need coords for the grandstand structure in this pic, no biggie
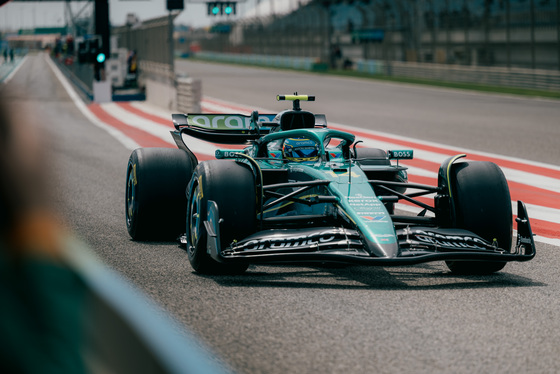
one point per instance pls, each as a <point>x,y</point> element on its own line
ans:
<point>500,33</point>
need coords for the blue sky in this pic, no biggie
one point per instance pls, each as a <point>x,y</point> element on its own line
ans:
<point>15,15</point>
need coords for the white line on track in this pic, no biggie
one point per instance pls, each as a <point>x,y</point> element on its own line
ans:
<point>13,72</point>
<point>513,175</point>
<point>141,123</point>
<point>144,106</point>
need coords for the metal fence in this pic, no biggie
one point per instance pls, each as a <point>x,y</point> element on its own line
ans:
<point>152,42</point>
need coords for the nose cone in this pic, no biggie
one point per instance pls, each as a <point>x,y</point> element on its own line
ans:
<point>386,250</point>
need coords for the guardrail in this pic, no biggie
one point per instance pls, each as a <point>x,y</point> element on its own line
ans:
<point>299,63</point>
<point>548,80</point>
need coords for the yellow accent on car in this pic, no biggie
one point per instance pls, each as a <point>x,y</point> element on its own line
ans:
<point>292,97</point>
<point>449,170</point>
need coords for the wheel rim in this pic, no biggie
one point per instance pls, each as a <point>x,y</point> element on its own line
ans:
<point>130,198</point>
<point>194,218</point>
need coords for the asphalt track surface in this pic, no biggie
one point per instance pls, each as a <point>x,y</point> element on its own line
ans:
<point>284,319</point>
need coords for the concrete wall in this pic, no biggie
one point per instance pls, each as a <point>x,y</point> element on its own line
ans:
<point>159,82</point>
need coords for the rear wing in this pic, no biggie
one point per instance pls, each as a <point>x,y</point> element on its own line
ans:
<point>230,128</point>
<point>224,128</point>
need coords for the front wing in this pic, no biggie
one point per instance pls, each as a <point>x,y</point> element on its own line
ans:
<point>336,244</point>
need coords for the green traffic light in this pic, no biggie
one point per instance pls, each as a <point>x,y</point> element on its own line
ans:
<point>228,9</point>
<point>100,57</point>
<point>215,10</point>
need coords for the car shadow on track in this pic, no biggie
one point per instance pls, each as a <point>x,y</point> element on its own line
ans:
<point>427,276</point>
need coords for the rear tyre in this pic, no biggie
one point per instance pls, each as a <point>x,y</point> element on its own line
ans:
<point>155,198</point>
<point>482,205</point>
<point>232,187</point>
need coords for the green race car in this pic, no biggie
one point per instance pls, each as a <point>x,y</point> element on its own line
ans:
<point>301,192</point>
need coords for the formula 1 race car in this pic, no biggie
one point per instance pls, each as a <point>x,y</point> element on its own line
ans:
<point>301,192</point>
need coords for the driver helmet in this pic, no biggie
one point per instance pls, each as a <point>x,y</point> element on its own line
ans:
<point>300,150</point>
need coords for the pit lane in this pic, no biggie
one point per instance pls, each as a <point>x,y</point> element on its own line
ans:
<point>281,319</point>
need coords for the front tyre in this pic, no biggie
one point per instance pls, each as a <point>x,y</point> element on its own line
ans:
<point>156,182</point>
<point>232,187</point>
<point>482,205</point>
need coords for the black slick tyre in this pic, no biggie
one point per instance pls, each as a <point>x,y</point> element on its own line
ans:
<point>232,186</point>
<point>482,205</point>
<point>156,183</point>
